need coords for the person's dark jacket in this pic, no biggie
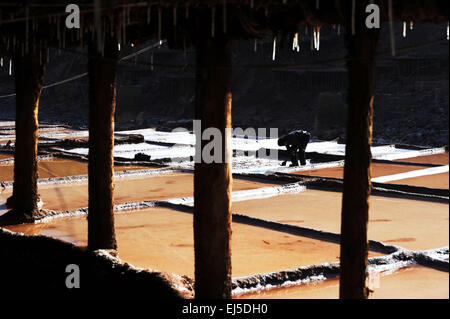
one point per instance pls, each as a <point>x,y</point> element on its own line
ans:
<point>295,140</point>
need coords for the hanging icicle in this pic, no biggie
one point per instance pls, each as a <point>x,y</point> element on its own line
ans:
<point>391,26</point>
<point>1,62</point>
<point>404,29</point>
<point>119,34</point>
<point>318,38</point>
<point>213,20</point>
<point>295,43</point>
<point>10,66</point>
<point>255,45</point>
<point>411,25</point>
<point>274,50</point>
<point>447,31</point>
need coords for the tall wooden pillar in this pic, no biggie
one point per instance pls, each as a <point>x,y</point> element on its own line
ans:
<point>29,78</point>
<point>357,170</point>
<point>212,182</point>
<point>102,103</point>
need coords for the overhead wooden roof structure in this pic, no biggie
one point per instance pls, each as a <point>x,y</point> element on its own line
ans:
<point>132,21</point>
<point>29,27</point>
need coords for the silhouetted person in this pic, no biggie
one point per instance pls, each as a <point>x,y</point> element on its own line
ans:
<point>8,145</point>
<point>295,143</point>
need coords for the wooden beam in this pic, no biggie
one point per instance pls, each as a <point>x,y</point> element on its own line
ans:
<point>102,103</point>
<point>29,78</point>
<point>357,171</point>
<point>242,21</point>
<point>212,182</point>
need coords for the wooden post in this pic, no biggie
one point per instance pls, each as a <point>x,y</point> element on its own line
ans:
<point>357,186</point>
<point>102,103</point>
<point>29,77</point>
<point>212,182</point>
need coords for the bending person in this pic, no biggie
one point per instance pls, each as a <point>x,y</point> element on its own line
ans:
<point>295,142</point>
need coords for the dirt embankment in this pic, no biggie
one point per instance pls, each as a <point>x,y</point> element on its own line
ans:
<point>36,266</point>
